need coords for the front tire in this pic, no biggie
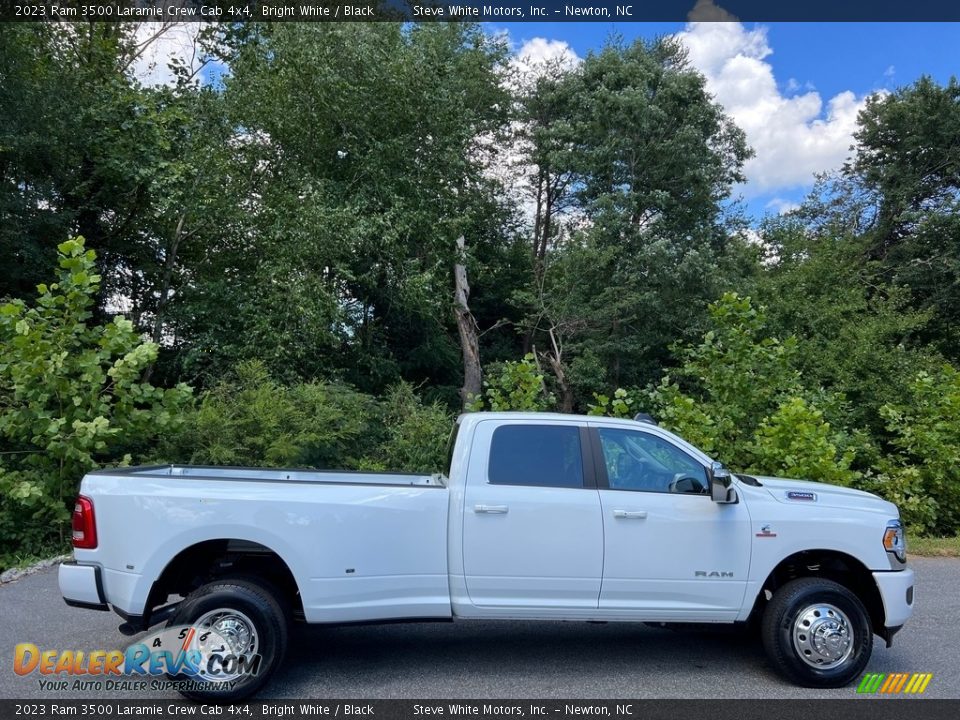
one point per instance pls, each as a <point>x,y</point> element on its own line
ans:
<point>245,618</point>
<point>817,633</point>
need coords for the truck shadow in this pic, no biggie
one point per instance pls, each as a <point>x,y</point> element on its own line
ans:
<point>513,659</point>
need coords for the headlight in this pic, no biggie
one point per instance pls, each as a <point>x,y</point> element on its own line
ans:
<point>894,540</point>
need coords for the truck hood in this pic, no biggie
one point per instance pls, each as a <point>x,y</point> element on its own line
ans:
<point>815,494</point>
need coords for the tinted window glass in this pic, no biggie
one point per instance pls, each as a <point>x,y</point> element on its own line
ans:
<point>640,461</point>
<point>542,455</point>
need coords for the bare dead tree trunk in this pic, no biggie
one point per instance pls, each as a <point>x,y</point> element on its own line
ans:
<point>546,230</point>
<point>555,358</point>
<point>467,327</point>
<point>535,260</point>
<point>169,264</point>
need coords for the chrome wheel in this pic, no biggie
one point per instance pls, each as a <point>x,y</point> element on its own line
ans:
<point>823,636</point>
<point>226,633</point>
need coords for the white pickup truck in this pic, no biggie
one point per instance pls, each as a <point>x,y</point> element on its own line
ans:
<point>539,516</point>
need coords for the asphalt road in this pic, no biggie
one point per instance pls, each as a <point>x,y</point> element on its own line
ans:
<point>498,660</point>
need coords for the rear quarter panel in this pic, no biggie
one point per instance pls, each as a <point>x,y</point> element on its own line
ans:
<point>357,552</point>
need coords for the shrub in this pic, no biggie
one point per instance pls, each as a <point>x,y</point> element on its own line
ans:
<point>738,395</point>
<point>514,386</point>
<point>924,472</point>
<point>623,404</point>
<point>251,419</point>
<point>416,434</point>
<point>72,399</point>
<point>795,441</point>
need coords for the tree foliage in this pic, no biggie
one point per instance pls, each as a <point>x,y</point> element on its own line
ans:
<point>367,170</point>
<point>859,334</point>
<point>284,241</point>
<point>923,475</point>
<point>514,385</point>
<point>72,398</point>
<point>740,396</point>
<point>645,160</point>
<point>251,419</point>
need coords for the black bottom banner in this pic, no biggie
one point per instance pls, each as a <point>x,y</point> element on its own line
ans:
<point>853,709</point>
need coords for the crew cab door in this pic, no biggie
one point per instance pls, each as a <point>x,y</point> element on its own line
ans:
<point>669,550</point>
<point>532,528</point>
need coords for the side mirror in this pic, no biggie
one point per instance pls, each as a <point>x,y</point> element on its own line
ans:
<point>720,480</point>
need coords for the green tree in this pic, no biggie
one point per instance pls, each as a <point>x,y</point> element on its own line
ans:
<point>907,161</point>
<point>72,397</point>
<point>647,160</point>
<point>514,386</point>
<point>739,395</point>
<point>147,174</point>
<point>923,475</point>
<point>369,168</point>
<point>859,335</point>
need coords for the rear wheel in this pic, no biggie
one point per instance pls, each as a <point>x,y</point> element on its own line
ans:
<point>817,633</point>
<point>239,630</point>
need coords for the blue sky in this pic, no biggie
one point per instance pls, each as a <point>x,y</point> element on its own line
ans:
<point>806,81</point>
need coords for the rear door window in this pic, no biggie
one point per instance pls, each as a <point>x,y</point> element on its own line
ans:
<point>538,455</point>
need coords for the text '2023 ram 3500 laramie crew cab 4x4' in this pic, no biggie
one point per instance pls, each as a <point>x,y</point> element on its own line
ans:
<point>539,516</point>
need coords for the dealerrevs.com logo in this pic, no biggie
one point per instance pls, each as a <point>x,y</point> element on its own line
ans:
<point>195,656</point>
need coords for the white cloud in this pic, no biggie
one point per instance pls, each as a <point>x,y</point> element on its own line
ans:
<point>538,52</point>
<point>781,206</point>
<point>160,43</point>
<point>538,57</point>
<point>794,137</point>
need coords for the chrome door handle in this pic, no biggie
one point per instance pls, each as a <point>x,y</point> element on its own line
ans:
<point>491,509</point>
<point>630,514</point>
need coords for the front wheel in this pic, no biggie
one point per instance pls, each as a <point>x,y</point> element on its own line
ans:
<point>817,633</point>
<point>237,631</point>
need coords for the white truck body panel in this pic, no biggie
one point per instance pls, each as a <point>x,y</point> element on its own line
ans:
<point>371,546</point>
<point>529,556</point>
<point>391,534</point>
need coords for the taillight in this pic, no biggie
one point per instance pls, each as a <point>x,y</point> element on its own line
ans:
<point>84,524</point>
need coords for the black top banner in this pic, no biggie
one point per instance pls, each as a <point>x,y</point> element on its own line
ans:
<point>605,11</point>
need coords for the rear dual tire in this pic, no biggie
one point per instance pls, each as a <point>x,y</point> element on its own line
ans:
<point>252,619</point>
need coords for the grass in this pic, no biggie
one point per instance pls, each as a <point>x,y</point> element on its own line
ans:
<point>24,559</point>
<point>934,547</point>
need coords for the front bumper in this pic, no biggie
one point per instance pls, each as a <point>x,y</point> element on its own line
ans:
<point>896,591</point>
<point>82,586</point>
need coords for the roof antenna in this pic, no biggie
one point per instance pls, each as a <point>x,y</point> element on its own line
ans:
<point>645,418</point>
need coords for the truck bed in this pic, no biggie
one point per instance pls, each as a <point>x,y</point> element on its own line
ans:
<point>255,474</point>
<point>360,545</point>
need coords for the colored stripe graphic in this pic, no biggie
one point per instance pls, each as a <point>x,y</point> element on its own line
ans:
<point>891,680</point>
<point>894,683</point>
